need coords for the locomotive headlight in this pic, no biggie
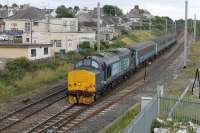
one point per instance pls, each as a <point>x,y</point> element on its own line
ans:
<point>79,84</point>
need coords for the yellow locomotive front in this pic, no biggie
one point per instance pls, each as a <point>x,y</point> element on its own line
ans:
<point>81,86</point>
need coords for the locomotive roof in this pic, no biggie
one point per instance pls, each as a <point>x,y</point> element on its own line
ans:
<point>143,45</point>
<point>111,56</point>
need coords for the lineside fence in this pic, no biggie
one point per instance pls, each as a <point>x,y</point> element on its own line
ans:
<point>188,110</point>
<point>142,122</point>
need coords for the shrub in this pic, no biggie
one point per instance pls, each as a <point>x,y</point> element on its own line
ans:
<point>84,45</point>
<point>117,44</point>
<point>155,124</point>
<point>73,57</point>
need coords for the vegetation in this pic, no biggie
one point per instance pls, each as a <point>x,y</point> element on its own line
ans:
<point>159,25</point>
<point>63,12</point>
<point>14,5</point>
<point>22,76</point>
<point>178,85</point>
<point>123,122</point>
<point>112,10</point>
<point>173,127</point>
<point>131,38</point>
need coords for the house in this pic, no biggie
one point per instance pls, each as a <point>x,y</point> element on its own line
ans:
<point>34,26</point>
<point>136,14</point>
<point>88,23</point>
<point>32,52</point>
<point>62,42</point>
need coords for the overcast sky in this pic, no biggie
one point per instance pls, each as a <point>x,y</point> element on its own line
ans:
<point>171,8</point>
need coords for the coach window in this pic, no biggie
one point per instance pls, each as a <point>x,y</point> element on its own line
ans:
<point>33,52</point>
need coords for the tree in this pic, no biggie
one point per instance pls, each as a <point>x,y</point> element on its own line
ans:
<point>112,10</point>
<point>159,24</point>
<point>5,6</point>
<point>21,6</point>
<point>14,5</point>
<point>76,9</point>
<point>1,6</point>
<point>63,12</point>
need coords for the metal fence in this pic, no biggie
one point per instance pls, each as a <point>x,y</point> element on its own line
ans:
<point>142,122</point>
<point>186,110</point>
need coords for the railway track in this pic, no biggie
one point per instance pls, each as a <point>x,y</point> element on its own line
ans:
<point>74,115</point>
<point>21,114</point>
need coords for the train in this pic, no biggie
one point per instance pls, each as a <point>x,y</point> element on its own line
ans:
<point>97,73</point>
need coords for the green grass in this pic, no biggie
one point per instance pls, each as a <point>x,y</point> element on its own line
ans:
<point>133,37</point>
<point>123,122</point>
<point>178,85</point>
<point>31,81</point>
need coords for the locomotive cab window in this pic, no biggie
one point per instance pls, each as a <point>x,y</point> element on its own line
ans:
<point>109,72</point>
<point>95,64</point>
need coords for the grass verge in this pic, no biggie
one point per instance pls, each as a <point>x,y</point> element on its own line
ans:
<point>178,85</point>
<point>31,80</point>
<point>122,122</point>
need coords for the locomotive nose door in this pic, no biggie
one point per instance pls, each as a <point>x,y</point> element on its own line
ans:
<point>81,86</point>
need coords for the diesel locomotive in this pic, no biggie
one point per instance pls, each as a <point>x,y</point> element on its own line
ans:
<point>99,72</point>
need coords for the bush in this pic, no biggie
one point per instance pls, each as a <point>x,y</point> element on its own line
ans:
<point>117,44</point>
<point>155,124</point>
<point>73,57</point>
<point>84,45</point>
<point>124,32</point>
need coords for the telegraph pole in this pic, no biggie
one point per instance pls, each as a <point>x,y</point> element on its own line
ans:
<point>166,24</point>
<point>150,24</point>
<point>185,34</point>
<point>175,26</point>
<point>195,27</point>
<point>98,27</point>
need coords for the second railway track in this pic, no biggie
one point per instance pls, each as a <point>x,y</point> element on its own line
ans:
<point>21,114</point>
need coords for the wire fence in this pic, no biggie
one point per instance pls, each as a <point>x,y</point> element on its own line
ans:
<point>187,110</point>
<point>142,122</point>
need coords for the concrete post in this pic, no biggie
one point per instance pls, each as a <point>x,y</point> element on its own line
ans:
<point>185,34</point>
<point>98,28</point>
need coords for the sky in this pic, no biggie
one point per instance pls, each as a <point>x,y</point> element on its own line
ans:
<point>172,8</point>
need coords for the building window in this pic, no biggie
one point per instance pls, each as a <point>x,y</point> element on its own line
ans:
<point>27,27</point>
<point>46,51</point>
<point>70,44</point>
<point>35,23</point>
<point>56,43</point>
<point>27,39</point>
<point>33,52</point>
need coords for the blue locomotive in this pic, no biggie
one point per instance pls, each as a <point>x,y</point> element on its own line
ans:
<point>99,72</point>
